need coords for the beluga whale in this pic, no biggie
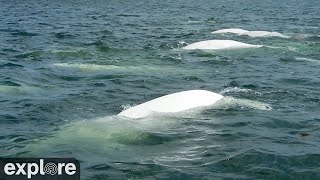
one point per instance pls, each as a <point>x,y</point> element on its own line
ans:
<point>250,33</point>
<point>173,103</point>
<point>219,45</point>
<point>141,124</point>
<point>184,101</point>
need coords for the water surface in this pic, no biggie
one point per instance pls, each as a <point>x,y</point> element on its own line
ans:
<point>67,68</point>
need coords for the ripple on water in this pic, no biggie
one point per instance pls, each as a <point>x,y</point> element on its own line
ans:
<point>65,35</point>
<point>10,64</point>
<point>22,33</point>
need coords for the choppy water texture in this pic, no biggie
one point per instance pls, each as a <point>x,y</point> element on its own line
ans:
<point>68,67</point>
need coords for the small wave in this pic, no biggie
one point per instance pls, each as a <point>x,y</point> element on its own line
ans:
<point>32,55</point>
<point>102,46</point>
<point>307,59</point>
<point>198,21</point>
<point>63,35</point>
<point>11,83</point>
<point>9,64</point>
<point>61,53</point>
<point>243,103</point>
<point>128,15</point>
<point>9,50</point>
<point>106,32</point>
<point>22,33</point>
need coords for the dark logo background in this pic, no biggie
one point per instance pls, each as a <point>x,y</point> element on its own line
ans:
<point>50,166</point>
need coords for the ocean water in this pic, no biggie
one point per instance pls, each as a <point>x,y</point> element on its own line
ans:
<point>68,67</point>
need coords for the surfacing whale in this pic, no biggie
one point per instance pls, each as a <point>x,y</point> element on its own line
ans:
<point>111,133</point>
<point>173,103</point>
<point>219,44</point>
<point>250,33</point>
<point>187,100</point>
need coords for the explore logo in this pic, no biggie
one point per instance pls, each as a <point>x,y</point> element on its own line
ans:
<point>39,168</point>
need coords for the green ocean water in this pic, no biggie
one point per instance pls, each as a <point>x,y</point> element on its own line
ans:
<point>68,67</point>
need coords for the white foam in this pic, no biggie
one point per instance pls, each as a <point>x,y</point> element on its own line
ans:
<point>173,103</point>
<point>235,89</point>
<point>307,59</point>
<point>219,44</point>
<point>230,101</point>
<point>250,33</point>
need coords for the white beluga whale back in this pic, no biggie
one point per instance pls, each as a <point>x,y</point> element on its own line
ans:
<point>219,44</point>
<point>173,103</point>
<point>187,100</point>
<point>231,30</point>
<point>250,33</point>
